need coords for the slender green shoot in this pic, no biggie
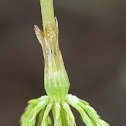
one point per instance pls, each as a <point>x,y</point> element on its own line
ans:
<point>47,11</point>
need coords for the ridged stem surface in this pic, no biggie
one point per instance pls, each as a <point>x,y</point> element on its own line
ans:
<point>47,11</point>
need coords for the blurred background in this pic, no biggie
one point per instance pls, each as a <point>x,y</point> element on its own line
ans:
<point>93,43</point>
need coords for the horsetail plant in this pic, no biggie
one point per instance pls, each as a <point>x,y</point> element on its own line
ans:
<point>56,83</point>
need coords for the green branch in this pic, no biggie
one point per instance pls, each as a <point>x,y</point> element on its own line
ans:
<point>47,11</point>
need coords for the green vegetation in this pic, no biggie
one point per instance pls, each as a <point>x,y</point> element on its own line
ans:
<point>56,83</point>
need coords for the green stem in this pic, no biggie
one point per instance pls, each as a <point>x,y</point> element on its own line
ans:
<point>47,11</point>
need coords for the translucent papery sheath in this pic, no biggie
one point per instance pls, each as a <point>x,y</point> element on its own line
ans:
<point>56,81</point>
<point>56,84</point>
